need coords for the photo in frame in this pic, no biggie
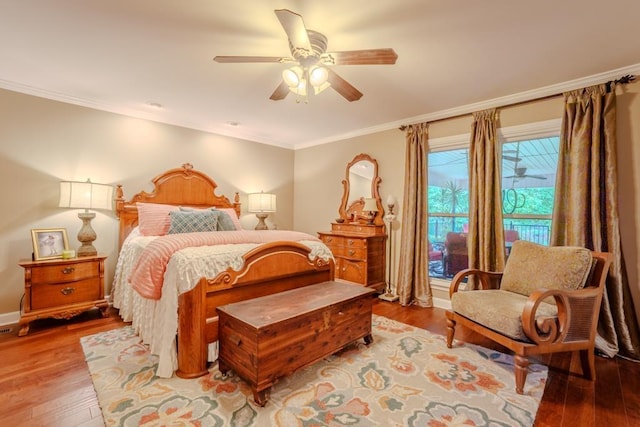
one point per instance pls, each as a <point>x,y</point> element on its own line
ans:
<point>49,243</point>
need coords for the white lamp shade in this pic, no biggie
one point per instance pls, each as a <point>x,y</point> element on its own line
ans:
<point>262,202</point>
<point>87,195</point>
<point>292,76</point>
<point>318,76</point>
<point>370,205</point>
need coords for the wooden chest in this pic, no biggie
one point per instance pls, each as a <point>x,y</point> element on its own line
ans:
<point>266,338</point>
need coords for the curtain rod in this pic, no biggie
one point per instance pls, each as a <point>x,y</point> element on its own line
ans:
<point>622,80</point>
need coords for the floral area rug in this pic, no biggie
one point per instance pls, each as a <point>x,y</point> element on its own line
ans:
<point>406,377</point>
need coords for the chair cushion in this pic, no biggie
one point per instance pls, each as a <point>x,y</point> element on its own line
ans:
<point>531,266</point>
<point>498,310</point>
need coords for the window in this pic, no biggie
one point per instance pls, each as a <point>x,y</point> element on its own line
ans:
<point>530,157</point>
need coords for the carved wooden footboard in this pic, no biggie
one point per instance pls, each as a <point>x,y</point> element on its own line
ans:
<point>268,269</point>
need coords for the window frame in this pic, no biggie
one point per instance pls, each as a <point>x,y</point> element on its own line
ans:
<point>533,130</point>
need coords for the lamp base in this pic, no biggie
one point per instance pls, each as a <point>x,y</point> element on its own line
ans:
<point>261,224</point>
<point>86,235</point>
<point>388,297</point>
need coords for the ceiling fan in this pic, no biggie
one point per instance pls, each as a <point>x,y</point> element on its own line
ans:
<point>521,172</point>
<point>311,61</point>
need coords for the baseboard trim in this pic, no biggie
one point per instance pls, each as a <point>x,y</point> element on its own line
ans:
<point>442,303</point>
<point>9,318</point>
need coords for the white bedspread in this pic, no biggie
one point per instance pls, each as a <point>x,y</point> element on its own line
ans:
<point>156,321</point>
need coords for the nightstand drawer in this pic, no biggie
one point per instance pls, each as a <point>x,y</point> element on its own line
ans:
<point>45,295</point>
<point>64,273</point>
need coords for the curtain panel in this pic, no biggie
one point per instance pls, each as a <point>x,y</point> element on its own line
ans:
<point>413,270</point>
<point>486,231</point>
<point>585,209</point>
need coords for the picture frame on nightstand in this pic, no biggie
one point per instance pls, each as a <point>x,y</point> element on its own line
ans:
<point>49,243</point>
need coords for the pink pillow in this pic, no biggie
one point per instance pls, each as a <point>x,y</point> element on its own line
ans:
<point>234,216</point>
<point>154,218</point>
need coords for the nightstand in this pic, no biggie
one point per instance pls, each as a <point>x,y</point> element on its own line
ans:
<point>61,288</point>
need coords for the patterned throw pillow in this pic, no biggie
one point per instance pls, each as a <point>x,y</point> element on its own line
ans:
<point>192,222</point>
<point>227,217</point>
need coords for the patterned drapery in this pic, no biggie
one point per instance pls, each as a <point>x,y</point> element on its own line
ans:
<point>413,270</point>
<point>485,241</point>
<point>586,207</point>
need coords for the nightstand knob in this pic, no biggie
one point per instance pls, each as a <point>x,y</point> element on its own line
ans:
<point>68,270</point>
<point>351,252</point>
<point>67,291</point>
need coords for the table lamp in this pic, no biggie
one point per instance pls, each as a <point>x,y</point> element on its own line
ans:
<point>86,195</point>
<point>261,204</point>
<point>370,206</point>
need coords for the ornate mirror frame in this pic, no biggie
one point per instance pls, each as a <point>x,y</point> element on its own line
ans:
<point>352,211</point>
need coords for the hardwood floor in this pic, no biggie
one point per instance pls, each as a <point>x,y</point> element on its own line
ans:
<point>44,380</point>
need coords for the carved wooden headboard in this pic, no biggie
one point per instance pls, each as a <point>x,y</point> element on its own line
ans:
<point>182,186</point>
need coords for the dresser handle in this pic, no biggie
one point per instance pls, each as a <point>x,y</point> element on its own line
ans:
<point>351,252</point>
<point>350,242</point>
<point>68,270</point>
<point>67,291</point>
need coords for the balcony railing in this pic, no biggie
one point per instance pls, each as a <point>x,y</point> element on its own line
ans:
<point>534,228</point>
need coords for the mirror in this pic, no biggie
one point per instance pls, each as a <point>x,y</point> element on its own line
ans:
<point>361,182</point>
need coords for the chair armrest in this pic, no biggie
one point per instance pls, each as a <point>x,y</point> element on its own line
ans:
<point>573,306</point>
<point>488,279</point>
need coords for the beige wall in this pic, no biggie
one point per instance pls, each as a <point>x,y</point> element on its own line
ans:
<point>43,142</point>
<point>319,170</point>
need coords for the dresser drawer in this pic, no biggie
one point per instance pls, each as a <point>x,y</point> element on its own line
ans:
<point>349,242</point>
<point>64,273</point>
<point>46,295</point>
<point>350,252</point>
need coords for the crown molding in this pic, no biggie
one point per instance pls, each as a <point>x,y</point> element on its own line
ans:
<point>505,101</point>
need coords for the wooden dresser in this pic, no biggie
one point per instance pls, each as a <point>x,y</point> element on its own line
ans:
<point>360,252</point>
<point>61,288</point>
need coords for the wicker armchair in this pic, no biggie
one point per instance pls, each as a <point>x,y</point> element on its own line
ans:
<point>547,300</point>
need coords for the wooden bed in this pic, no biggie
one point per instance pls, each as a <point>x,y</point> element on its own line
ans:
<point>269,268</point>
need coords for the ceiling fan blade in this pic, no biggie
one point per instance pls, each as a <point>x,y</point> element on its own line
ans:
<point>536,176</point>
<point>281,92</point>
<point>296,31</point>
<point>511,158</point>
<point>360,57</point>
<point>343,87</point>
<point>243,59</point>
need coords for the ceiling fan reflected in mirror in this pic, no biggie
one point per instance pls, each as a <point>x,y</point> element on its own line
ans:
<point>521,172</point>
<point>310,72</point>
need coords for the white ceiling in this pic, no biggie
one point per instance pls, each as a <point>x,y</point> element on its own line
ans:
<point>453,56</point>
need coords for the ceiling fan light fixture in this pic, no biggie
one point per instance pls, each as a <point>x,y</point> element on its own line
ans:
<point>318,76</point>
<point>293,76</point>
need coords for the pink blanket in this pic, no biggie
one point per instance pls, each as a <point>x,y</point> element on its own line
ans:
<point>148,272</point>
